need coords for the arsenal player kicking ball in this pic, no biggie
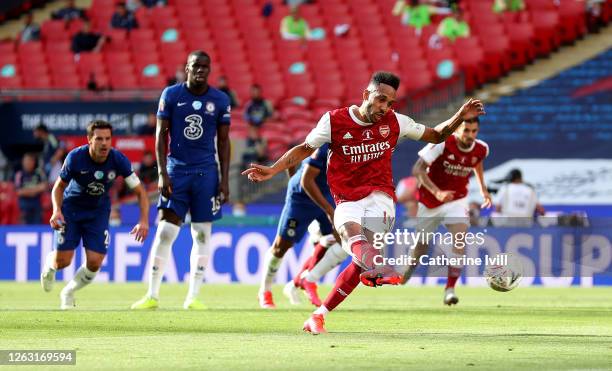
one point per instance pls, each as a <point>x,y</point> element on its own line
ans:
<point>361,141</point>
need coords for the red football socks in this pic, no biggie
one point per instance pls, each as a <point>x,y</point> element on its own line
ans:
<point>345,284</point>
<point>317,255</point>
<point>453,275</point>
<point>298,277</point>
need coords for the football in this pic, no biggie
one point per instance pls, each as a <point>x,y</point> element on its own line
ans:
<point>504,277</point>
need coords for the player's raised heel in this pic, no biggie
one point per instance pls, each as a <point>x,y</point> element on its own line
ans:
<point>379,276</point>
<point>315,324</point>
<point>145,303</point>
<point>292,293</point>
<point>265,300</point>
<point>310,288</point>
<point>450,298</point>
<point>67,301</point>
<point>47,279</point>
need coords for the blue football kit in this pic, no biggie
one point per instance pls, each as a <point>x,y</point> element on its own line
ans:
<point>192,165</point>
<point>300,210</point>
<point>86,206</point>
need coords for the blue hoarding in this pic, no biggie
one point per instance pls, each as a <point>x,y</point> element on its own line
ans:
<point>550,256</point>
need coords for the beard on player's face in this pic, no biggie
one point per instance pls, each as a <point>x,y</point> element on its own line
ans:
<point>374,113</point>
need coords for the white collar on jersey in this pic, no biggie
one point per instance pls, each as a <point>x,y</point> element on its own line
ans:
<point>464,149</point>
<point>354,117</point>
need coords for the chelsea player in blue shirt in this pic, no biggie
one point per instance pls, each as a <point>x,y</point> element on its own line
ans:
<point>195,116</point>
<point>81,208</point>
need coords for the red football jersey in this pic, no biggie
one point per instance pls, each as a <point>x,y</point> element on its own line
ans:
<point>450,167</point>
<point>359,157</point>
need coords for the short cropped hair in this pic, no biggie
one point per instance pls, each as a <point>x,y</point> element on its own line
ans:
<point>384,77</point>
<point>198,53</point>
<point>98,124</point>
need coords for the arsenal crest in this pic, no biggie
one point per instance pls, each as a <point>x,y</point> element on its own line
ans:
<point>384,131</point>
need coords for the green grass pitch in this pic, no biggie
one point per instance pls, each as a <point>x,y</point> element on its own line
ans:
<point>383,328</point>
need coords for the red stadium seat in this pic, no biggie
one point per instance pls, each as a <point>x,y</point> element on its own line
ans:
<point>547,37</point>
<point>572,17</point>
<point>13,82</point>
<point>545,5</point>
<point>141,34</point>
<point>58,47</point>
<point>9,207</point>
<point>417,82</point>
<point>54,30</point>
<point>6,59</point>
<point>153,82</point>
<point>74,26</point>
<point>123,79</point>
<point>522,50</point>
<point>37,81</point>
<point>117,59</point>
<point>30,47</point>
<point>470,58</point>
<point>63,81</point>
<point>7,47</point>
<point>186,4</point>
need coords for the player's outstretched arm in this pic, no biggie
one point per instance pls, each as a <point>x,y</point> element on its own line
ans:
<point>141,229</point>
<point>471,108</point>
<point>419,170</point>
<point>223,145</point>
<point>57,199</point>
<point>479,172</point>
<point>260,173</point>
<point>161,147</point>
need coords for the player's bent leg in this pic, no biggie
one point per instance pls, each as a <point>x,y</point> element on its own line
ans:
<point>200,252</point>
<point>65,242</point>
<point>160,251</point>
<point>364,254</point>
<point>272,260</point>
<point>83,277</point>
<point>345,284</point>
<point>63,258</point>
<point>332,258</point>
<point>54,261</point>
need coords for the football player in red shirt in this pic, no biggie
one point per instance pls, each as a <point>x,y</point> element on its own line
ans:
<point>362,139</point>
<point>443,172</point>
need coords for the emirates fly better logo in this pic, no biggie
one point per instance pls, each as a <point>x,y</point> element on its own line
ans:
<point>365,152</point>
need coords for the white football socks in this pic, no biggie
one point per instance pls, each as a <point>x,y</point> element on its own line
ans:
<point>271,264</point>
<point>50,262</point>
<point>82,278</point>
<point>160,251</point>
<point>333,256</point>
<point>322,310</point>
<point>200,233</point>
